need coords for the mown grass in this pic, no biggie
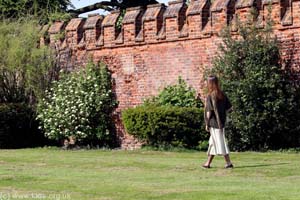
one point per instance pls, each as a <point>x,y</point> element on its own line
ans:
<point>120,175</point>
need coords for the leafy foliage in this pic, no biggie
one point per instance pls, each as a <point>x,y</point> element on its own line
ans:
<point>80,105</point>
<point>59,16</point>
<point>179,94</point>
<point>266,109</point>
<point>120,20</point>
<point>26,69</point>
<point>166,125</point>
<point>39,8</point>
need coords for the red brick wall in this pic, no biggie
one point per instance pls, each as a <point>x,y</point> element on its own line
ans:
<point>158,44</point>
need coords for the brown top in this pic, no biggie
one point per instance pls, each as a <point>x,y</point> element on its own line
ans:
<point>222,106</point>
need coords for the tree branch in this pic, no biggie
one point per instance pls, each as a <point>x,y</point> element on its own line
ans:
<point>112,5</point>
<point>105,5</point>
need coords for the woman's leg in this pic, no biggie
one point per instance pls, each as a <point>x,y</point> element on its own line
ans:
<point>211,150</point>
<point>209,160</point>
<point>228,161</point>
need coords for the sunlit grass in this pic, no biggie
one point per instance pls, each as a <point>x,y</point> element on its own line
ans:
<point>96,174</point>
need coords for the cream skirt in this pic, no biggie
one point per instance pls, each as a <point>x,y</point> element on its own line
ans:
<point>217,142</point>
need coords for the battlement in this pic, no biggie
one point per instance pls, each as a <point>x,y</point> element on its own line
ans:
<point>177,21</point>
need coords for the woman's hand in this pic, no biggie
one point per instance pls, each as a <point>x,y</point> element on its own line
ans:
<point>207,128</point>
<point>230,110</point>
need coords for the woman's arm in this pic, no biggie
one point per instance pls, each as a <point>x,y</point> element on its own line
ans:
<point>208,112</point>
<point>228,105</point>
<point>208,116</point>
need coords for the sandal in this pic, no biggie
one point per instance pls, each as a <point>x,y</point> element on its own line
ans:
<point>228,166</point>
<point>205,166</point>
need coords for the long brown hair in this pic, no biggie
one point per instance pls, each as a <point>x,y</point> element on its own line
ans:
<point>214,88</point>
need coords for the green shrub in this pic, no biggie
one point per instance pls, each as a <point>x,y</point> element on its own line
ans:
<point>174,118</point>
<point>166,125</point>
<point>266,108</point>
<point>80,105</point>
<point>25,68</point>
<point>179,94</point>
<point>18,129</point>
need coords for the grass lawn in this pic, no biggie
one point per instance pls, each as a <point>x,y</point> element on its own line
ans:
<point>112,175</point>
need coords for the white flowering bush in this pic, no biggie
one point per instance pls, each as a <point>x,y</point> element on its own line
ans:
<point>80,105</point>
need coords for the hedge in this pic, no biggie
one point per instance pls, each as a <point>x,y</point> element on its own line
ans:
<point>18,128</point>
<point>166,125</point>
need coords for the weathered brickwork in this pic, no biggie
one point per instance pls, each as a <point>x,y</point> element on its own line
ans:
<point>156,45</point>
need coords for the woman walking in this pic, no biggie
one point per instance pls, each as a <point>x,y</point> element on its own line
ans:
<point>216,106</point>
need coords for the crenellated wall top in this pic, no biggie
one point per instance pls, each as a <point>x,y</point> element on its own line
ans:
<point>111,19</point>
<point>153,11</point>
<point>219,5</point>
<point>93,21</point>
<point>75,24</point>
<point>131,15</point>
<point>56,27</point>
<point>174,8</point>
<point>196,7</point>
<point>190,20</point>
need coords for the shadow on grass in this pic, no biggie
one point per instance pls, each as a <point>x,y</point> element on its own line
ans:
<point>260,165</point>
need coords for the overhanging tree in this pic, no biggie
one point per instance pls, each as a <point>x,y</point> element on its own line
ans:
<point>112,5</point>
